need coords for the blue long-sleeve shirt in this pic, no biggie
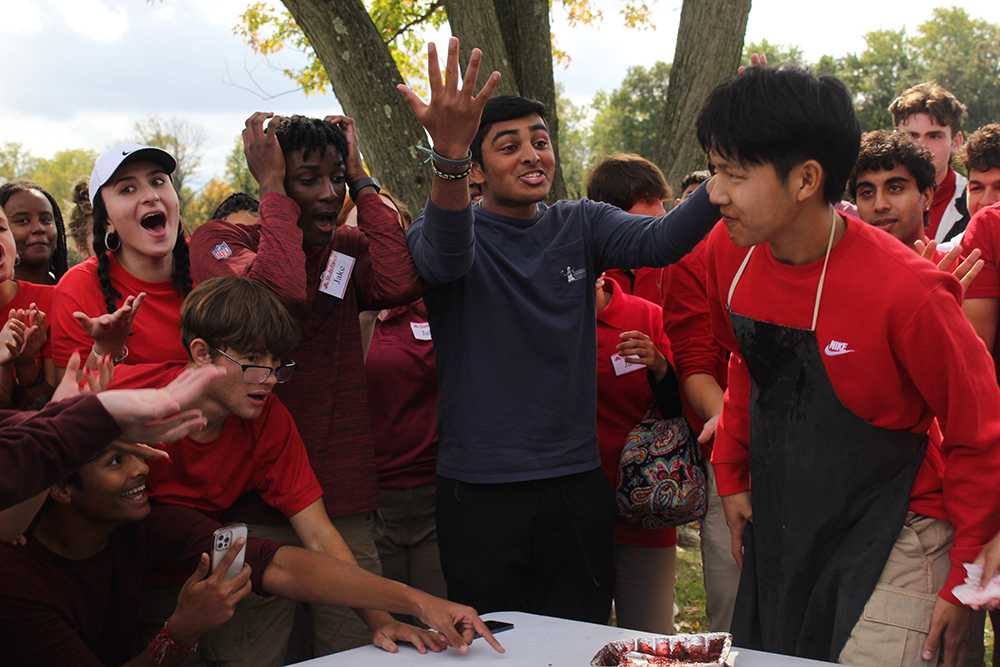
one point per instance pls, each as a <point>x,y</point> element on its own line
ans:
<point>511,308</point>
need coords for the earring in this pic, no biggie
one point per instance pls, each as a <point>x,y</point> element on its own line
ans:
<point>17,260</point>
<point>111,241</point>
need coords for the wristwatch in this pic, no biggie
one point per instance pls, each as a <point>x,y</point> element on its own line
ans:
<point>356,187</point>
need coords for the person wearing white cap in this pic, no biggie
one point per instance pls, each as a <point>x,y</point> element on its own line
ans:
<point>140,257</point>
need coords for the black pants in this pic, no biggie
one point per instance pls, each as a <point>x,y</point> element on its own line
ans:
<point>543,547</point>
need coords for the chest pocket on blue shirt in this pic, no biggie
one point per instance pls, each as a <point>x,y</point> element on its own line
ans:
<point>565,267</point>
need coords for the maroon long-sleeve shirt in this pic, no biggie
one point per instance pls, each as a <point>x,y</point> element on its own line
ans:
<point>327,397</point>
<point>41,448</point>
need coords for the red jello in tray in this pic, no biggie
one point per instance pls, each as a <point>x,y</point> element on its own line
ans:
<point>698,650</point>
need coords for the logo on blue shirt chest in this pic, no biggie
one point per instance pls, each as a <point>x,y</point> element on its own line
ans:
<point>572,275</point>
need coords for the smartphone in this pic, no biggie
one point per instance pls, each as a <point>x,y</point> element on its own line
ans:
<point>222,539</point>
<point>496,626</point>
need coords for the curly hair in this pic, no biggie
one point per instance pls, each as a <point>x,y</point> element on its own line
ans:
<point>982,150</point>
<point>930,98</point>
<point>882,150</point>
<point>58,262</point>
<point>308,134</point>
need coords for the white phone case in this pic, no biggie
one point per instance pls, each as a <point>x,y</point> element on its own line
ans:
<point>222,539</point>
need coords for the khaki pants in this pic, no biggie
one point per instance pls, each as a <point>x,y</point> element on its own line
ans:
<point>644,588</point>
<point>406,537</point>
<point>897,616</point>
<point>721,574</point>
<point>257,634</point>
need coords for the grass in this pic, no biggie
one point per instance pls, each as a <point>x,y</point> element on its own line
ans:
<point>690,598</point>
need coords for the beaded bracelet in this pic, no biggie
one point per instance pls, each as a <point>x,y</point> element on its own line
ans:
<point>443,175</point>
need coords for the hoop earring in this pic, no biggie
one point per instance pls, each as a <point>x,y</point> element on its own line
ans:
<point>110,236</point>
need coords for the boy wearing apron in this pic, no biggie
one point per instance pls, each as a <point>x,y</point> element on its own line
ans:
<point>845,346</point>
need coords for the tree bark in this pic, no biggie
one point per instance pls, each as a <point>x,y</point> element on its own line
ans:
<point>364,79</point>
<point>478,27</point>
<point>524,27</point>
<point>709,46</point>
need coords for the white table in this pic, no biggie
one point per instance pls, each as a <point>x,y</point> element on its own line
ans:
<point>535,641</point>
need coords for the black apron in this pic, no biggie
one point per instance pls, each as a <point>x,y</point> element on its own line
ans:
<point>830,495</point>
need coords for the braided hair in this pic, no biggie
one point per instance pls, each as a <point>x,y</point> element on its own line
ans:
<point>59,260</point>
<point>309,134</point>
<point>181,276</point>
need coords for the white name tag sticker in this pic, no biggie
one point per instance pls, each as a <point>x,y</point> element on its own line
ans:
<point>421,330</point>
<point>336,275</point>
<point>622,366</point>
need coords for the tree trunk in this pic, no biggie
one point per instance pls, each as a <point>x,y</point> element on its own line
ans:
<point>476,27</point>
<point>709,46</point>
<point>364,79</point>
<point>524,26</point>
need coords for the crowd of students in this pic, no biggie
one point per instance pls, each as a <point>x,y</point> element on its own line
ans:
<point>423,420</point>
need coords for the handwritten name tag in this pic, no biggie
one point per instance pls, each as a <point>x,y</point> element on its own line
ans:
<point>421,330</point>
<point>623,366</point>
<point>336,275</point>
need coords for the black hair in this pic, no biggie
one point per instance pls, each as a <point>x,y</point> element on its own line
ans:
<point>58,262</point>
<point>695,178</point>
<point>238,201</point>
<point>884,150</point>
<point>181,276</point>
<point>309,134</point>
<point>784,117</point>
<point>497,110</point>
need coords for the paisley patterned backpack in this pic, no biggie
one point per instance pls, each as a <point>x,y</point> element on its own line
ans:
<point>661,474</point>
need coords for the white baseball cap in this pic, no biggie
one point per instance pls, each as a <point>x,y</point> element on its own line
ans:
<point>110,160</point>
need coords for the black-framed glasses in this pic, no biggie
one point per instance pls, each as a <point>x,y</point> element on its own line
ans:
<point>257,374</point>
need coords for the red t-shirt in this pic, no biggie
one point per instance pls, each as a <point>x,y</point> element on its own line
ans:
<point>156,330</point>
<point>622,400</point>
<point>913,357</point>
<point>943,195</point>
<point>983,232</point>
<point>403,398</point>
<point>646,282</point>
<point>265,456</point>
<point>687,322</point>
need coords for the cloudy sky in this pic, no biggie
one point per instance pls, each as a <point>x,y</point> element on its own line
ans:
<point>79,73</point>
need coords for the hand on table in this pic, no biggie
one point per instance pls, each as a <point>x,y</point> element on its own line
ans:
<point>457,623</point>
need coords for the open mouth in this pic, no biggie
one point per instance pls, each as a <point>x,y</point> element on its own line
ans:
<point>533,178</point>
<point>258,397</point>
<point>154,222</point>
<point>325,222</point>
<point>137,494</point>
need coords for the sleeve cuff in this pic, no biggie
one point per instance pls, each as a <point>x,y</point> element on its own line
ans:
<point>731,478</point>
<point>956,576</point>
